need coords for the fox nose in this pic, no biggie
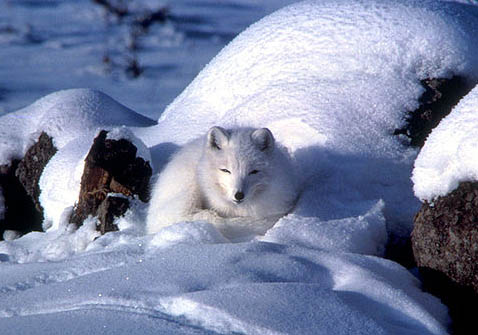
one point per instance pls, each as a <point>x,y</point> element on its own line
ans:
<point>239,196</point>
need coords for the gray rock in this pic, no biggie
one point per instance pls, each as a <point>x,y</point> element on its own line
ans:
<point>445,246</point>
<point>445,235</point>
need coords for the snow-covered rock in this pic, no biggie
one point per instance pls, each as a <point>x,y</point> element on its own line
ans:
<point>450,153</point>
<point>72,118</point>
<point>65,116</point>
<point>444,237</point>
<point>317,68</point>
<point>113,175</point>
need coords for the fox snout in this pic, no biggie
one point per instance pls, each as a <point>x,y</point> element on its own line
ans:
<point>238,189</point>
<point>238,196</point>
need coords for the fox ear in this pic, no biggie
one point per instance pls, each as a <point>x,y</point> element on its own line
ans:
<point>217,137</point>
<point>263,139</point>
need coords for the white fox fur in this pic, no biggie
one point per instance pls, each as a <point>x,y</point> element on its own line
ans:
<point>226,174</point>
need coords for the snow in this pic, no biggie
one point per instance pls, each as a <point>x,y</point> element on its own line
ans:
<point>303,76</point>
<point>199,288</point>
<point>362,234</point>
<point>39,57</point>
<point>59,191</point>
<point>72,118</point>
<point>65,116</point>
<point>332,80</point>
<point>312,68</point>
<point>449,154</point>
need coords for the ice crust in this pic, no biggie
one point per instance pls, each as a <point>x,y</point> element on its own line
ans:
<point>332,80</point>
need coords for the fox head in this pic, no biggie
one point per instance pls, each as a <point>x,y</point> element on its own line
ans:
<point>239,162</point>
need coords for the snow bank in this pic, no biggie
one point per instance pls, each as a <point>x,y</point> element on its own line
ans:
<point>333,80</point>
<point>450,153</point>
<point>330,65</point>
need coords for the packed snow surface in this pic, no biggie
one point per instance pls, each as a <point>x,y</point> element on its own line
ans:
<point>332,80</point>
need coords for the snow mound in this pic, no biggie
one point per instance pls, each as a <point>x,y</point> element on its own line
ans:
<point>329,66</point>
<point>64,115</point>
<point>333,80</point>
<point>450,153</point>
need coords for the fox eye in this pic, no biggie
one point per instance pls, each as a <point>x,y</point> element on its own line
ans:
<point>225,171</point>
<point>254,172</point>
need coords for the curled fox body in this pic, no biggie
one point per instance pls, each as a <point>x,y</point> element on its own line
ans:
<point>233,173</point>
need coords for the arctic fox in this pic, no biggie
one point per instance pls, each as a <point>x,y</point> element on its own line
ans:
<point>235,173</point>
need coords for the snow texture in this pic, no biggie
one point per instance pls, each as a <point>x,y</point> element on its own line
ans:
<point>304,68</point>
<point>363,234</point>
<point>201,286</point>
<point>64,115</point>
<point>450,153</point>
<point>332,80</point>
